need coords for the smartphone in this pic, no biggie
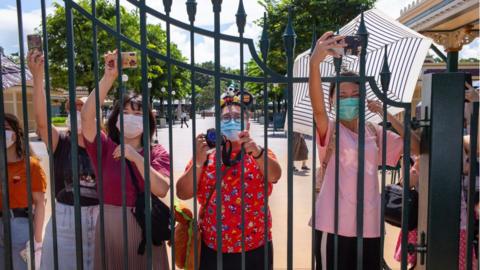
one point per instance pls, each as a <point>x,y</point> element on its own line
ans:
<point>353,46</point>
<point>129,60</point>
<point>34,41</point>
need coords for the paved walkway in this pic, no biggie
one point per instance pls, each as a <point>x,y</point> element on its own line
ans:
<point>302,193</point>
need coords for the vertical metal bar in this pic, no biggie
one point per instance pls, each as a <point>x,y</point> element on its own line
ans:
<point>362,32</point>
<point>98,115</point>
<point>241,17</point>
<point>264,46</point>
<point>406,186</point>
<point>49,140</point>
<point>146,134</point>
<point>338,65</point>
<point>217,8</point>
<point>74,134</point>
<point>26,137</point>
<point>7,231</point>
<point>314,165</point>
<point>121,90</point>
<point>385,81</point>
<point>452,61</point>
<point>266,123</point>
<point>289,37</point>
<point>314,190</point>
<point>471,185</point>
<point>192,10</point>
<point>382,189</point>
<point>170,126</point>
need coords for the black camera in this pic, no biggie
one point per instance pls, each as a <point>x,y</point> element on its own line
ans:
<point>211,138</point>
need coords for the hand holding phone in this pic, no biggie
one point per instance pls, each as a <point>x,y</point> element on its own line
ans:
<point>353,46</point>
<point>34,41</point>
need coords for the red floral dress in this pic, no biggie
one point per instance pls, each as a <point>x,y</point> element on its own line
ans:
<point>232,205</point>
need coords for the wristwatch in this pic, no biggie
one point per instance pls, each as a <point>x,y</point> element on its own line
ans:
<point>259,154</point>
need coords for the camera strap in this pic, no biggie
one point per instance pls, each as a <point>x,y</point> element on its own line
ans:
<point>227,153</point>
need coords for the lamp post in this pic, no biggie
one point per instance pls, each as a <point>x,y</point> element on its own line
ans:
<point>173,103</point>
<point>149,85</point>
<point>161,101</point>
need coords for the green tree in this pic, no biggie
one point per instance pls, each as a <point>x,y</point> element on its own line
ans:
<point>130,27</point>
<point>469,60</point>
<point>326,15</point>
<point>206,86</point>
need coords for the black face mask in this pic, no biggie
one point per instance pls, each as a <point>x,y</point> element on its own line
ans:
<point>227,153</point>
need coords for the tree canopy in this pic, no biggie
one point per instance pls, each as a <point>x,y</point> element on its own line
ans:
<point>325,15</point>
<point>83,40</point>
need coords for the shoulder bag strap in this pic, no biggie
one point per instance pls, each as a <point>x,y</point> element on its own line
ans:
<point>132,177</point>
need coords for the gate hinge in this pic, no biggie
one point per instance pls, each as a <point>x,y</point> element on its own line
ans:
<point>419,248</point>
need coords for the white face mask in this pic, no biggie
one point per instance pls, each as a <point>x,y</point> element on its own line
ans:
<point>79,122</point>
<point>132,125</point>
<point>9,138</point>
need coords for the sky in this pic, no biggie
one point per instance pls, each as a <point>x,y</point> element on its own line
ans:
<point>31,13</point>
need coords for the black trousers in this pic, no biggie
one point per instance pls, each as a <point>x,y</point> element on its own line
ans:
<point>254,259</point>
<point>347,252</point>
<point>184,120</point>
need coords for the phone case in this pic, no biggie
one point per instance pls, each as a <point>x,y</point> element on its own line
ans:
<point>129,60</point>
<point>353,46</point>
<point>34,42</point>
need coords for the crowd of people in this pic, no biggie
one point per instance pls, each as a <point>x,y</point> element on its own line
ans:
<point>239,150</point>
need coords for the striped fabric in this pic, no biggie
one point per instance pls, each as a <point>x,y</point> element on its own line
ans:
<point>406,52</point>
<point>114,243</point>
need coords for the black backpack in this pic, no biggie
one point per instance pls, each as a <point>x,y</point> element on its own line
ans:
<point>161,229</point>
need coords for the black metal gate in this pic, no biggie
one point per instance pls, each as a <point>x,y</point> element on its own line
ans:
<point>269,77</point>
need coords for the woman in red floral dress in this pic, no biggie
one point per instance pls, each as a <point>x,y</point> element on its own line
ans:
<point>254,184</point>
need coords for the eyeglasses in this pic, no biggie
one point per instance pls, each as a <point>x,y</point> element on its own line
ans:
<point>229,117</point>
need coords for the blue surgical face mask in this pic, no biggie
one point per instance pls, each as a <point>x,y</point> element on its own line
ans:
<point>231,129</point>
<point>348,108</point>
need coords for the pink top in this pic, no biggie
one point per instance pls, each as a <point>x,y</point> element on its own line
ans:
<point>347,199</point>
<point>111,173</point>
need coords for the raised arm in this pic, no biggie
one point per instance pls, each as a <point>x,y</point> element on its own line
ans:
<point>274,170</point>
<point>323,47</point>
<point>35,64</point>
<point>89,128</point>
<point>376,107</point>
<point>159,181</point>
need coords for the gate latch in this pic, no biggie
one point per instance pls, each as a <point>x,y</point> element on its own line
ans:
<point>418,123</point>
<point>419,248</point>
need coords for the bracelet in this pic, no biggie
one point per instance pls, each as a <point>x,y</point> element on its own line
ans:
<point>260,154</point>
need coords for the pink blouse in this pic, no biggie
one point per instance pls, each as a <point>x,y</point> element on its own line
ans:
<point>347,199</point>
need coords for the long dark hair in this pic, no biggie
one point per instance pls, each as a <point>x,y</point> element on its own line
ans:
<point>14,124</point>
<point>135,102</point>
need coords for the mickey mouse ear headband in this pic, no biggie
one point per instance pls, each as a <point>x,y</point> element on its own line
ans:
<point>233,96</point>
